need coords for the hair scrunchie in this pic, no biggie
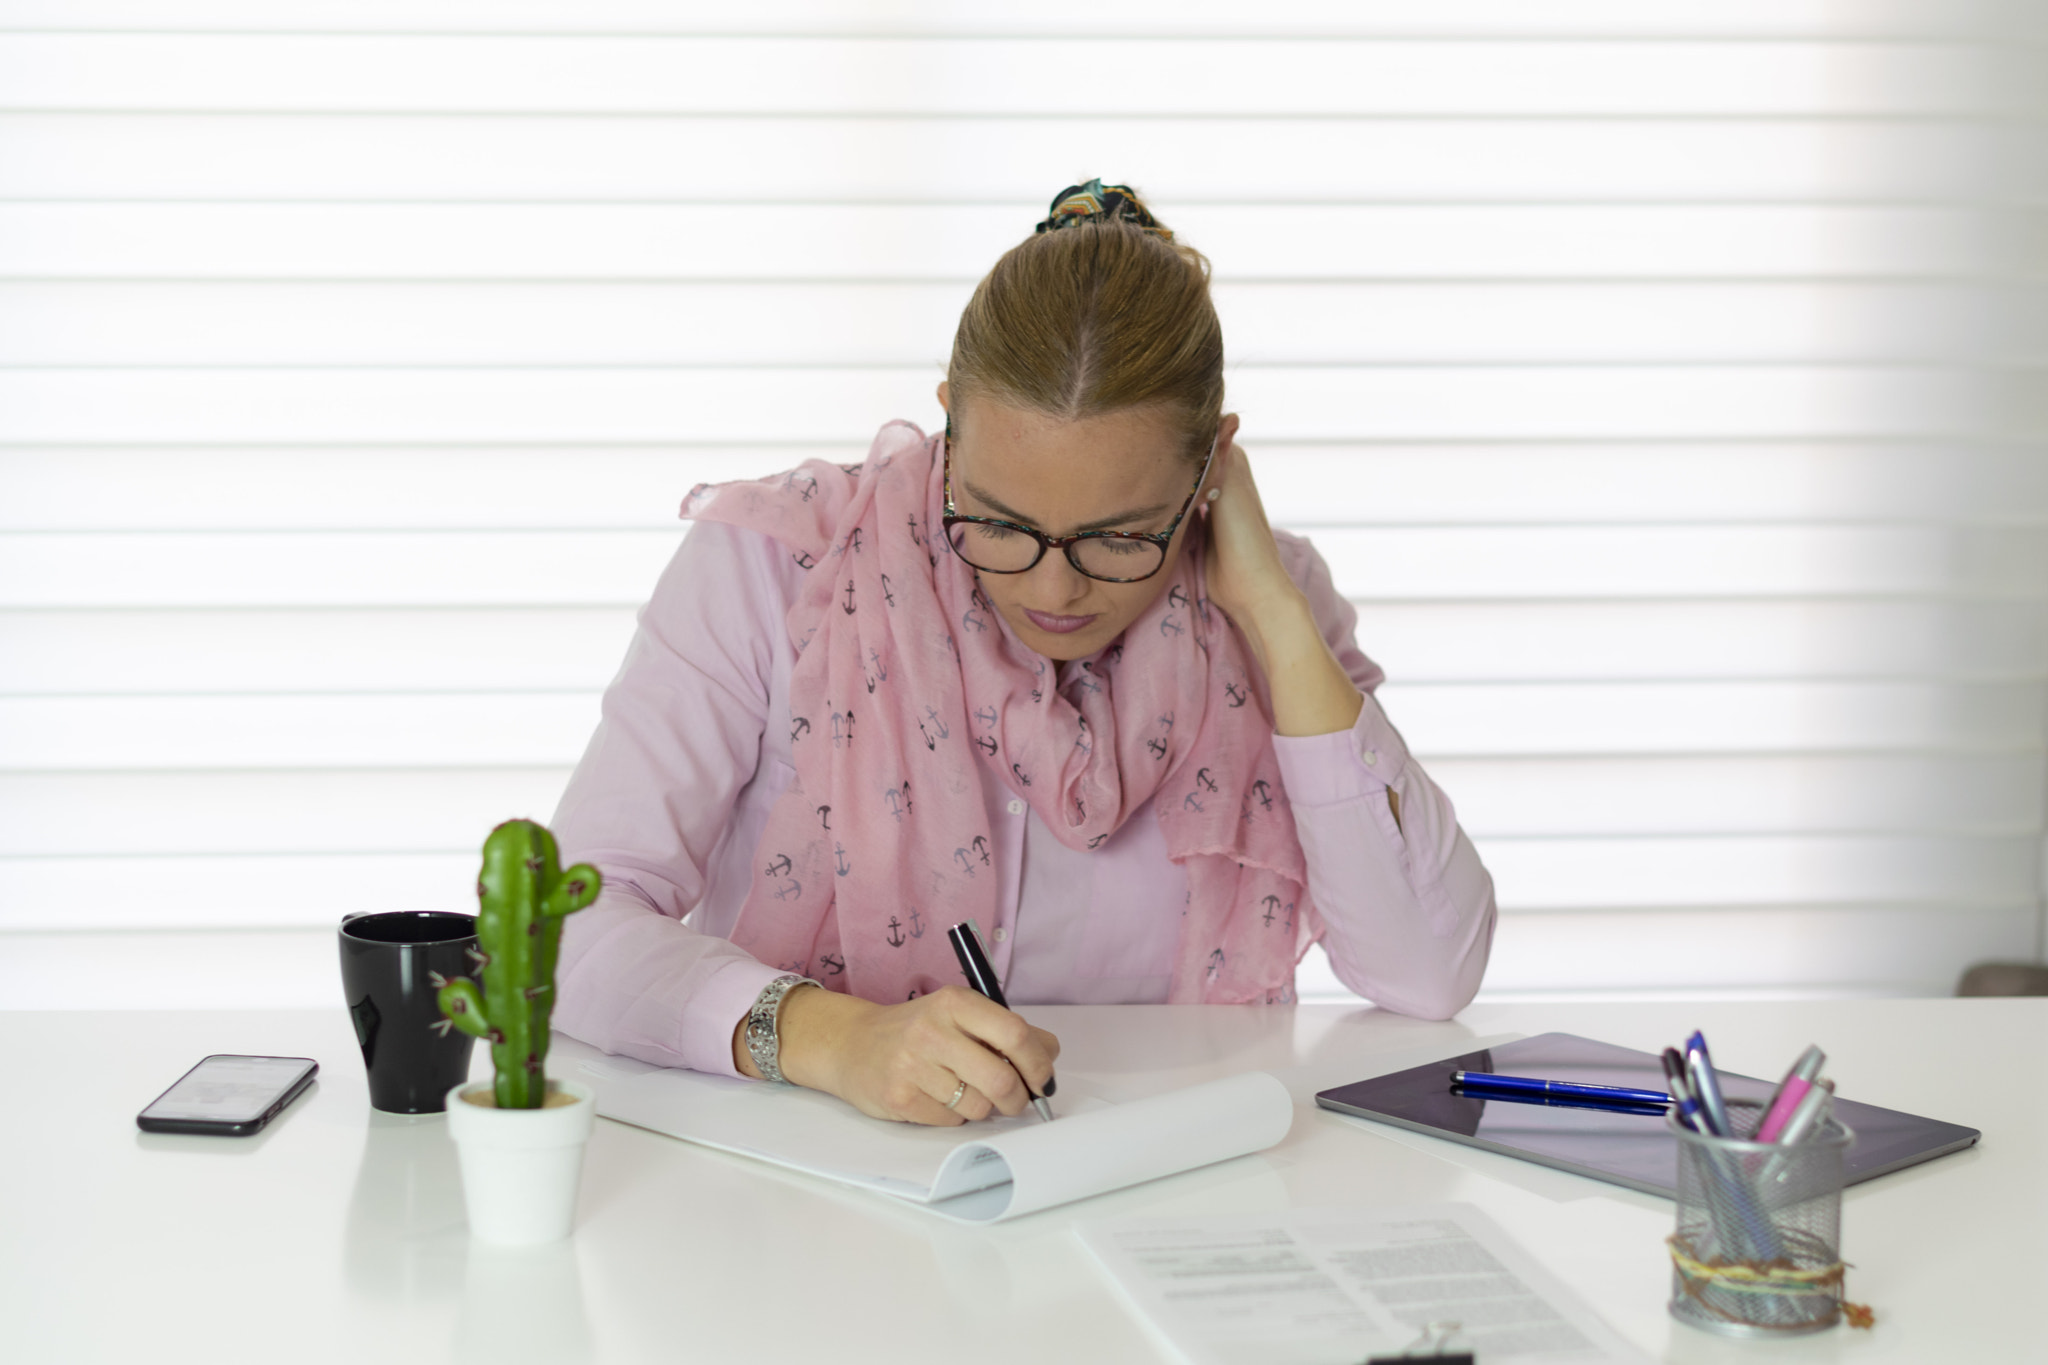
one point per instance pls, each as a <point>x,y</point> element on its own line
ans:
<point>1095,201</point>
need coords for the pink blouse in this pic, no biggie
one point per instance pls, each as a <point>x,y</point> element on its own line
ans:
<point>693,749</point>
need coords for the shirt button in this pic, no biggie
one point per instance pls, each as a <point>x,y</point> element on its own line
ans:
<point>1016,808</point>
<point>1001,934</point>
<point>1371,757</point>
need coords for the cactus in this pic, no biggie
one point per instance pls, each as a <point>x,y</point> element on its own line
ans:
<point>524,894</point>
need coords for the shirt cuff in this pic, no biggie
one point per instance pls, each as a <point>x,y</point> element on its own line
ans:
<point>1323,770</point>
<point>716,1009</point>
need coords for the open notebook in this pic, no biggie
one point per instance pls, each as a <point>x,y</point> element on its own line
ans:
<point>980,1173</point>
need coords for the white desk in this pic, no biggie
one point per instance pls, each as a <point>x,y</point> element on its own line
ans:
<point>338,1234</point>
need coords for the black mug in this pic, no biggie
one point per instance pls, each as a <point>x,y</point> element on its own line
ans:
<point>388,962</point>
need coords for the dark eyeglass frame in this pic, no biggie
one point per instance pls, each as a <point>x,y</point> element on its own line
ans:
<point>1065,544</point>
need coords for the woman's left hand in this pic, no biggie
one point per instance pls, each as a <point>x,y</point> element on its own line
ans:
<point>1310,691</point>
<point>1245,575</point>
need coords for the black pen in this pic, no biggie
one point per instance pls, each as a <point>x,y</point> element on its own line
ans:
<point>966,941</point>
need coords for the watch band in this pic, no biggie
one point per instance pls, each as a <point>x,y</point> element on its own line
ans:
<point>764,1041</point>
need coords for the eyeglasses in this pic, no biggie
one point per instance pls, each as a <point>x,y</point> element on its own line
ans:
<point>997,546</point>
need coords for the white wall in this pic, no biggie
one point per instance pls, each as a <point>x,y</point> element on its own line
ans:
<point>1662,381</point>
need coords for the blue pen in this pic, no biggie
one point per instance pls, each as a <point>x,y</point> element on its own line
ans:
<point>1706,1085</point>
<point>1571,1090</point>
<point>1736,1212</point>
<point>1655,1111</point>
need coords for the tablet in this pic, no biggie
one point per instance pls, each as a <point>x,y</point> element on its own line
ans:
<point>1625,1148</point>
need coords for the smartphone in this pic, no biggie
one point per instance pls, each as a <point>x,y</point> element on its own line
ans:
<point>228,1095</point>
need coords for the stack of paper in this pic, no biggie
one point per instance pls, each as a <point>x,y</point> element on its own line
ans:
<point>980,1173</point>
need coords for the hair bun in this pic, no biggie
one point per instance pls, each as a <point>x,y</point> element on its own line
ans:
<point>1096,202</point>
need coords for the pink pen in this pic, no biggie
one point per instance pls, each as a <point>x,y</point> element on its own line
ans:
<point>1790,1091</point>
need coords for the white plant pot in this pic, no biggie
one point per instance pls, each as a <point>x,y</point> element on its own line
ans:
<point>520,1167</point>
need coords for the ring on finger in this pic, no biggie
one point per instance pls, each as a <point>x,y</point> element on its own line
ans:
<point>958,1091</point>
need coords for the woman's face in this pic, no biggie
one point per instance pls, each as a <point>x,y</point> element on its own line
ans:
<point>1123,471</point>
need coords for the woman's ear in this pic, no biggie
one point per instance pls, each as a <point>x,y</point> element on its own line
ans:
<point>943,399</point>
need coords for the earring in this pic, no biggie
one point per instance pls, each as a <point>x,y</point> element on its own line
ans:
<point>949,426</point>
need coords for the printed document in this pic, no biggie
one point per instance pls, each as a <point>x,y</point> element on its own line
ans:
<point>1329,1286</point>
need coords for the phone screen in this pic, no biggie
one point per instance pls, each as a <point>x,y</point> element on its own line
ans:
<point>229,1090</point>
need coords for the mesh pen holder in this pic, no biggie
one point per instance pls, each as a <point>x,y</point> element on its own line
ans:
<point>1757,1250</point>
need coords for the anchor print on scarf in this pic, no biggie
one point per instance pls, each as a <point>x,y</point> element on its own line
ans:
<point>923,542</point>
<point>1177,597</point>
<point>967,854</point>
<point>1257,800</point>
<point>1160,743</point>
<point>899,801</point>
<point>1149,722</point>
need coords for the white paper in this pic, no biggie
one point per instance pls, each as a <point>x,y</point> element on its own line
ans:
<point>984,1172</point>
<point>1329,1285</point>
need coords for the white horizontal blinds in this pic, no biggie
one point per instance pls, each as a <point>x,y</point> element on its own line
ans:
<point>1654,377</point>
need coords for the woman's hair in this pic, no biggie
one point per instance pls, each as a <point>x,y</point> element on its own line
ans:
<point>1094,313</point>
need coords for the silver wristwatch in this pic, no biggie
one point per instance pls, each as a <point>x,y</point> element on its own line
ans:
<point>764,1043</point>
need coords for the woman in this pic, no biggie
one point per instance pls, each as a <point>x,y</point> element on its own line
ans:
<point>1052,671</point>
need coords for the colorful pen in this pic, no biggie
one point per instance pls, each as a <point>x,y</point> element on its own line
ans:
<point>1807,1121</point>
<point>966,940</point>
<point>1798,1081</point>
<point>1573,1090</point>
<point>1706,1086</point>
<point>1808,1114</point>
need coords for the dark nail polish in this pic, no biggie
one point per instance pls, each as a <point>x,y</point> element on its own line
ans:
<point>1052,1085</point>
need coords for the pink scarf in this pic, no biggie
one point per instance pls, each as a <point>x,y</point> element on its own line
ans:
<point>906,678</point>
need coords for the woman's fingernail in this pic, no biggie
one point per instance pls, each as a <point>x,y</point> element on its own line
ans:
<point>1052,1085</point>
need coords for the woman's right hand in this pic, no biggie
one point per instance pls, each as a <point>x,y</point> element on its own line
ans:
<point>904,1062</point>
